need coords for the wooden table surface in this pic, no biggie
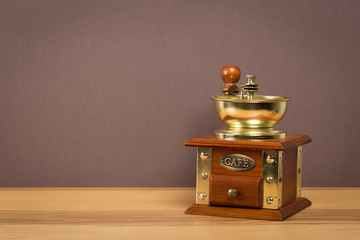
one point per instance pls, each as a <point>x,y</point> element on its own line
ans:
<point>158,213</point>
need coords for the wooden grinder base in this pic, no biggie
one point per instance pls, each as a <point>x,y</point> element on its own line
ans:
<point>253,213</point>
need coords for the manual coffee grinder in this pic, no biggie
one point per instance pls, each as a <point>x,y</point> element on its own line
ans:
<point>249,169</point>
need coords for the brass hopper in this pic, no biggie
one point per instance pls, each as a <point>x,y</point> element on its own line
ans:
<point>247,115</point>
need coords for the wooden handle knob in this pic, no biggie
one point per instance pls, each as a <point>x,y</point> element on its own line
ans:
<point>230,75</point>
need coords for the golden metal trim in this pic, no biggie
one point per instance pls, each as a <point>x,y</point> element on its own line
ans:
<point>232,193</point>
<point>258,98</point>
<point>298,172</point>
<point>250,133</point>
<point>272,198</point>
<point>204,162</point>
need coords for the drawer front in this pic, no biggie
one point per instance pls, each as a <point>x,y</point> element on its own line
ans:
<point>236,191</point>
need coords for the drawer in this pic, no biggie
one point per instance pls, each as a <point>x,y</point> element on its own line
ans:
<point>239,191</point>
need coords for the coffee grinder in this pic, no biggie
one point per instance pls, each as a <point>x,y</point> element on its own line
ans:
<point>248,169</point>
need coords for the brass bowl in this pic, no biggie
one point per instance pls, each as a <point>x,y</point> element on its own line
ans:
<point>250,118</point>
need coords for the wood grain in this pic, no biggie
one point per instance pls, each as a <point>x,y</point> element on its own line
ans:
<point>290,141</point>
<point>153,213</point>
<point>289,178</point>
<point>249,191</point>
<point>253,213</point>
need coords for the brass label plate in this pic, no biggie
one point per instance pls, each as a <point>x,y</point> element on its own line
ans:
<point>237,162</point>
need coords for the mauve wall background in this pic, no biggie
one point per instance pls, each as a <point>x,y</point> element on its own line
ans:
<point>105,93</point>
